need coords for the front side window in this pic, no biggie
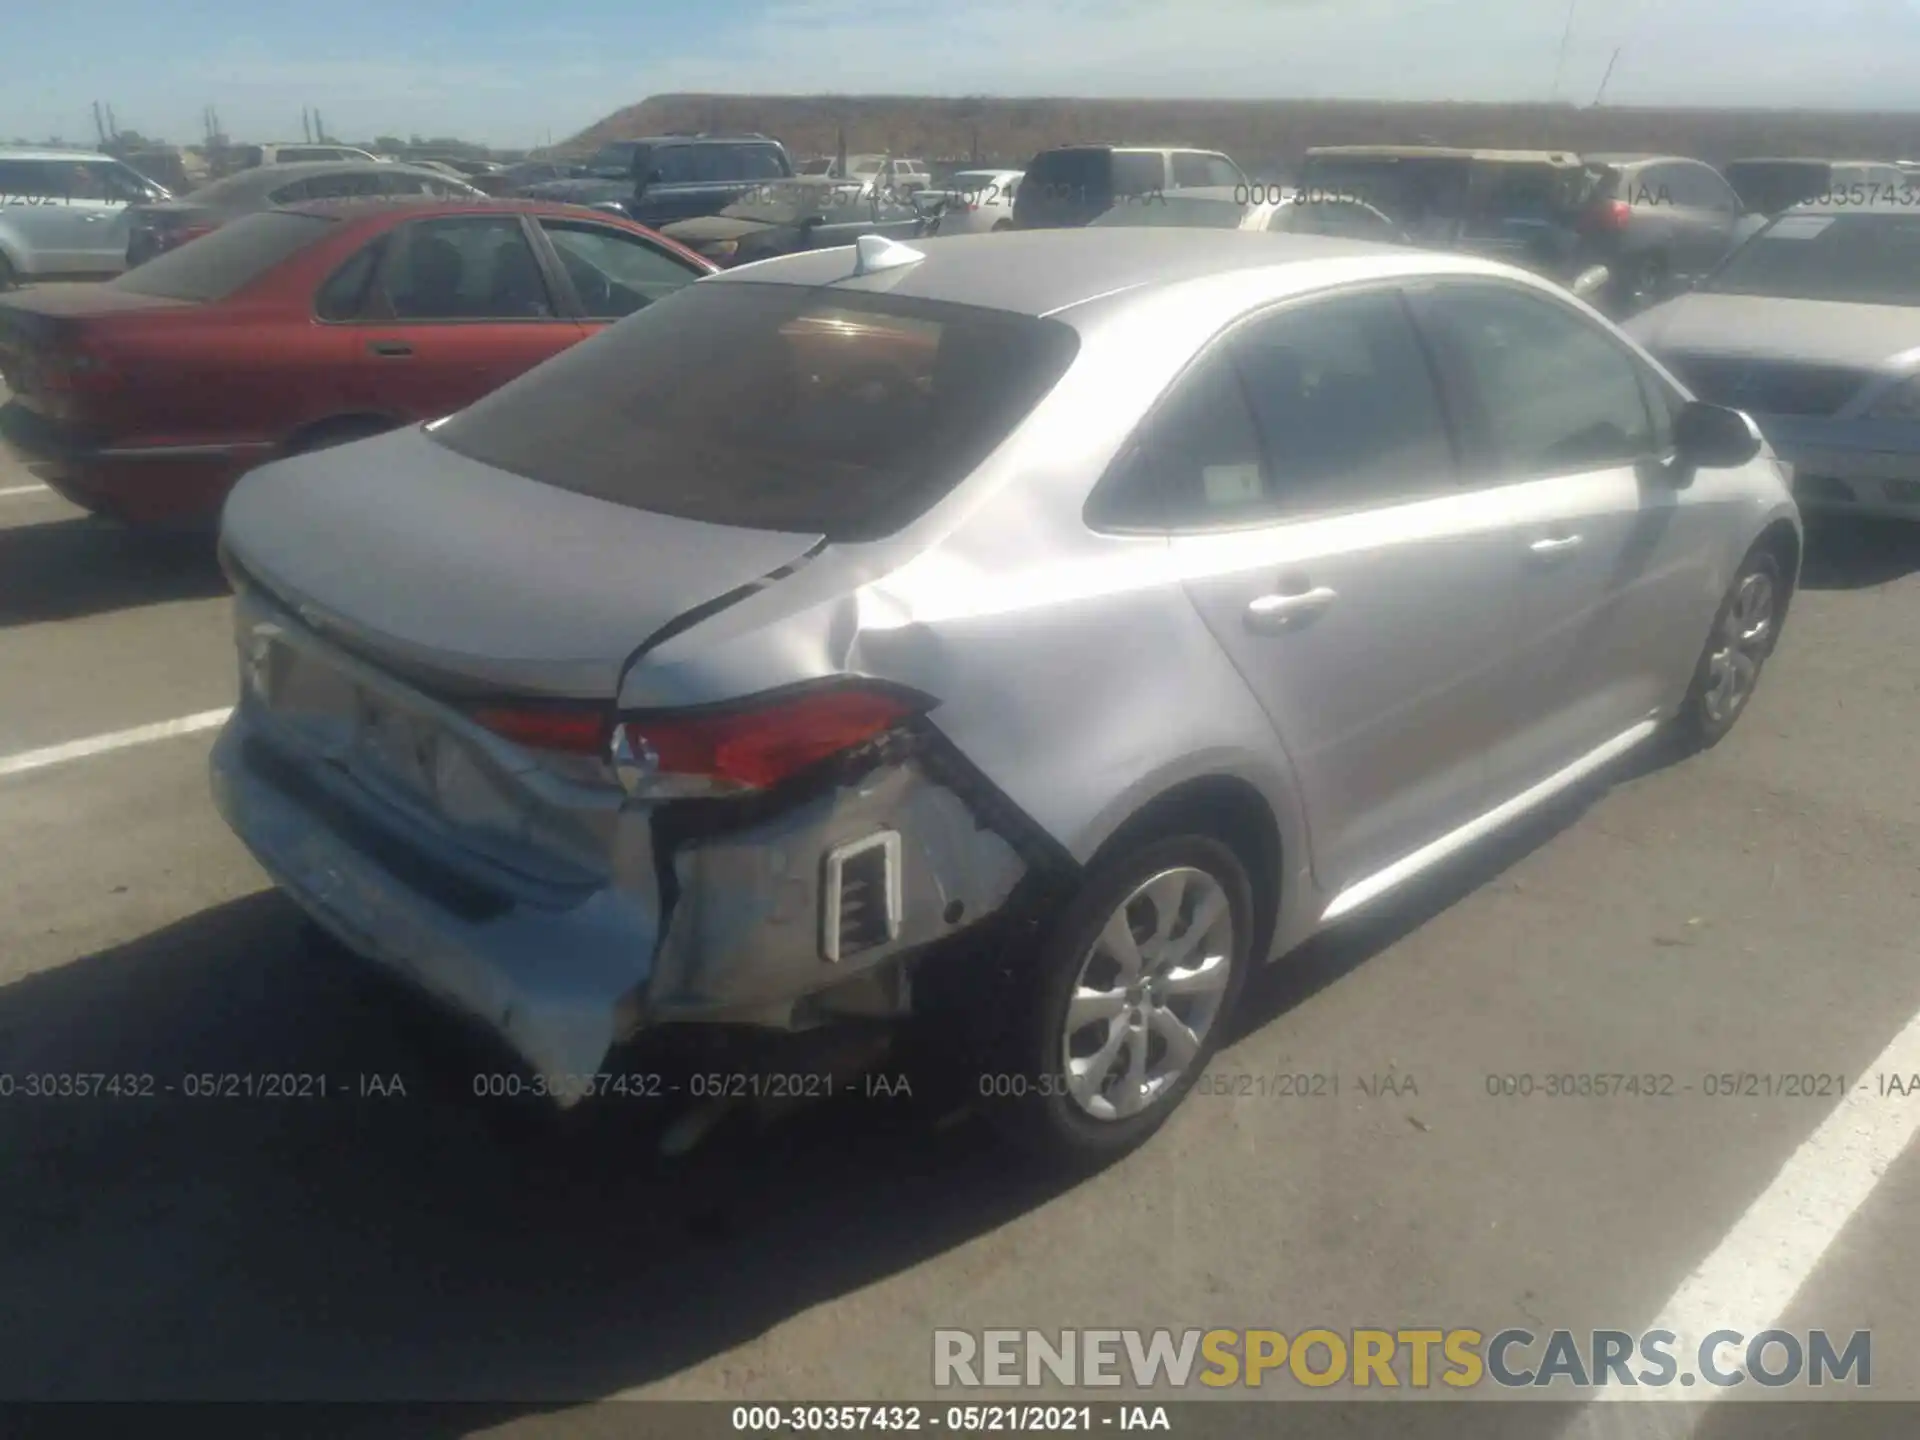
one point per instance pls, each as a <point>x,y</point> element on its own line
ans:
<point>1558,394</point>
<point>613,272</point>
<point>773,407</point>
<point>469,268</point>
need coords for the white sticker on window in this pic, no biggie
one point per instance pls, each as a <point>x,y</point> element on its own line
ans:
<point>1231,484</point>
<point>1799,227</point>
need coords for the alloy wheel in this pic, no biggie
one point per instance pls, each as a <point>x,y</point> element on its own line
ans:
<point>1148,993</point>
<point>1745,635</point>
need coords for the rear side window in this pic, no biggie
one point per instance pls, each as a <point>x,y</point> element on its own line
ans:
<point>1195,465</point>
<point>1138,172</point>
<point>1070,171</point>
<point>773,407</point>
<point>218,265</point>
<point>345,293</point>
<point>1346,404</point>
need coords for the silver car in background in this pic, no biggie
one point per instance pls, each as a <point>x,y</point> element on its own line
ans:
<point>1813,327</point>
<point>1052,626</point>
<point>63,214</point>
<point>978,201</point>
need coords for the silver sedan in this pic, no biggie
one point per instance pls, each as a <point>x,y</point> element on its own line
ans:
<point>1052,626</point>
<point>1813,326</point>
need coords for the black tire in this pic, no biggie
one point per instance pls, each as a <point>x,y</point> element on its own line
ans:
<point>1704,720</point>
<point>1000,225</point>
<point>1023,1083</point>
<point>7,278</point>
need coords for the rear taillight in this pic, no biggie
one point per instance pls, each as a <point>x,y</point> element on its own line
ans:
<point>754,745</point>
<point>1609,215</point>
<point>561,729</point>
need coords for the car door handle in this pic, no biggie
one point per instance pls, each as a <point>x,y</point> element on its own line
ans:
<point>389,347</point>
<point>1270,613</point>
<point>1557,548</point>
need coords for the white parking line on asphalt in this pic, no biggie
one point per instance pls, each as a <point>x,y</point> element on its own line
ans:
<point>1752,1277</point>
<point>25,490</point>
<point>118,740</point>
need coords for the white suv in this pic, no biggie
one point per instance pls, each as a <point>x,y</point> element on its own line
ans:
<point>251,155</point>
<point>63,214</point>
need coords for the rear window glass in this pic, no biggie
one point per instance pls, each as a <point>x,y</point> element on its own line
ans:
<point>773,407</point>
<point>217,265</point>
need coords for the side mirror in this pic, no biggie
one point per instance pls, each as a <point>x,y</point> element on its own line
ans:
<point>1714,437</point>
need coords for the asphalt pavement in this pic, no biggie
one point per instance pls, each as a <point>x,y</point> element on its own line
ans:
<point>1755,909</point>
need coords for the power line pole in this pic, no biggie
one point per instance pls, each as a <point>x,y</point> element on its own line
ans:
<point>319,126</point>
<point>1598,94</point>
<point>1566,34</point>
<point>113,125</point>
<point>99,124</point>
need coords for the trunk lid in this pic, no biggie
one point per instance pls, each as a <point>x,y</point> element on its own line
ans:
<point>39,326</point>
<point>472,580</point>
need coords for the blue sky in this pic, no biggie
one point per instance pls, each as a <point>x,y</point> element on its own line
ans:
<point>510,73</point>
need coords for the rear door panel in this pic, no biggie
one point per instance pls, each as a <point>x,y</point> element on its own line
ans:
<point>452,324</point>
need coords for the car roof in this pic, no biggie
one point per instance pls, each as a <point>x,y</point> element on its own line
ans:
<point>1804,160</point>
<point>30,152</point>
<point>269,177</point>
<point>1041,272</point>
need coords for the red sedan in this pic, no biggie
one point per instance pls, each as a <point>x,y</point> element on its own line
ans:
<point>146,398</point>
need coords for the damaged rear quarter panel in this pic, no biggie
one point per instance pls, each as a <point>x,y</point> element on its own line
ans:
<point>746,928</point>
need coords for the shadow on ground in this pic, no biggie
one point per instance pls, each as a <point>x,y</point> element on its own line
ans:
<point>404,1247</point>
<point>68,569</point>
<point>1856,554</point>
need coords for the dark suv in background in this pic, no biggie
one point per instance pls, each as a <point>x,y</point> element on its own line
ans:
<point>672,177</point>
<point>1072,184</point>
<point>1652,221</point>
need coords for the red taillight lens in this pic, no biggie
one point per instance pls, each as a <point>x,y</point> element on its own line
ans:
<point>757,746</point>
<point>564,730</point>
<point>1610,215</point>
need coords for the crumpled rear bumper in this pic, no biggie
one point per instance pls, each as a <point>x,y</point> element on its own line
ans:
<point>736,935</point>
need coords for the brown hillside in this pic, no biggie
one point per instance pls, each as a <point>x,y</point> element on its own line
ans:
<point>1261,134</point>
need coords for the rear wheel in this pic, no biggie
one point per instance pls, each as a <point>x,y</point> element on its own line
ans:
<point>7,278</point>
<point>1642,281</point>
<point>1744,633</point>
<point>1126,1001</point>
<point>1000,225</point>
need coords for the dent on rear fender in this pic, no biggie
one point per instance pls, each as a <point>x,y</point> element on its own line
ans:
<point>746,930</point>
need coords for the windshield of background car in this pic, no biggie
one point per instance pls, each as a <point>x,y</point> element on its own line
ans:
<point>1849,259</point>
<point>1070,172</point>
<point>219,264</point>
<point>773,407</point>
<point>1181,211</point>
<point>1767,187</point>
<point>613,162</point>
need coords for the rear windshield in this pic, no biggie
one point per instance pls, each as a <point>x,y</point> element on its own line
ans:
<point>773,407</point>
<point>1852,259</point>
<point>218,265</point>
<point>1768,186</point>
